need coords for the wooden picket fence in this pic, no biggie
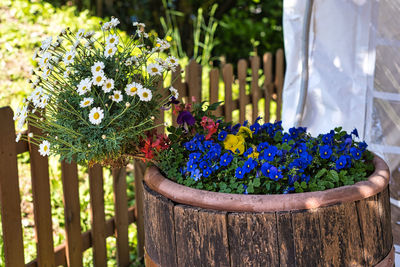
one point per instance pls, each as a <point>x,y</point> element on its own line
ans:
<point>70,253</point>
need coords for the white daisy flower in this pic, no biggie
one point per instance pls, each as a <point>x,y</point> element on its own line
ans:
<point>114,22</point>
<point>36,94</point>
<point>84,86</point>
<point>174,92</point>
<point>117,96</point>
<point>106,26</point>
<point>44,61</point>
<point>108,85</point>
<point>97,67</point>
<point>18,137</point>
<point>44,100</point>
<point>89,34</point>
<point>145,94</point>
<point>154,69</point>
<point>21,123</point>
<point>110,51</point>
<point>133,88</point>
<point>87,101</point>
<point>46,43</point>
<point>112,40</point>
<point>44,148</point>
<point>69,57</point>
<point>96,115</point>
<point>99,78</point>
<point>172,61</point>
<point>80,33</point>
<point>30,135</point>
<point>47,71</point>
<point>67,72</point>
<point>76,43</point>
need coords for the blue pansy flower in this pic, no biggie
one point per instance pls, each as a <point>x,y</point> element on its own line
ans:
<point>196,175</point>
<point>255,128</point>
<point>270,153</point>
<point>222,135</point>
<point>191,166</point>
<point>355,132</point>
<point>341,162</point>
<point>288,189</point>
<point>239,173</point>
<point>292,179</point>
<point>286,138</point>
<point>248,152</point>
<point>249,165</point>
<point>262,146</point>
<point>191,146</point>
<point>203,165</point>
<point>356,153</point>
<point>325,152</point>
<point>213,154</point>
<point>226,159</point>
<point>275,174</point>
<point>195,157</point>
<point>305,178</point>
<point>199,137</point>
<point>208,144</point>
<point>207,171</point>
<point>302,148</point>
<point>362,146</point>
<point>265,169</point>
<point>327,138</point>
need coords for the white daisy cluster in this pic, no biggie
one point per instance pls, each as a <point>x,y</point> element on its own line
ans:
<point>89,90</point>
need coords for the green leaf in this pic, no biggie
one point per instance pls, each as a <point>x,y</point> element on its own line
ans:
<point>320,173</point>
<point>335,175</point>
<point>257,182</point>
<point>303,185</point>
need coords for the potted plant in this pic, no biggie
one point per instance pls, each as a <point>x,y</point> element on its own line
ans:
<point>255,195</point>
<point>95,95</point>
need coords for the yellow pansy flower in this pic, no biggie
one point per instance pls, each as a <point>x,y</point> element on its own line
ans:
<point>234,143</point>
<point>245,132</point>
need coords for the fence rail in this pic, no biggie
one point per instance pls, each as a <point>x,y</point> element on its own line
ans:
<point>70,253</point>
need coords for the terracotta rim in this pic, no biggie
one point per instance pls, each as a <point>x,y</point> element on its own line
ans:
<point>376,183</point>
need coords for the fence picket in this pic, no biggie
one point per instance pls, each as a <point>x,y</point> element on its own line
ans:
<point>268,85</point>
<point>97,215</point>
<point>140,168</point>
<point>41,203</point>
<point>9,192</point>
<point>279,76</point>
<point>227,73</point>
<point>180,86</point>
<point>69,176</point>
<point>214,88</point>
<point>255,90</point>
<point>121,215</point>
<point>242,73</point>
<point>193,79</point>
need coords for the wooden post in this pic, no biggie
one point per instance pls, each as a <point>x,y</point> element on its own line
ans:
<point>41,203</point>
<point>99,8</point>
<point>279,76</point>
<point>242,73</point>
<point>214,90</point>
<point>98,216</point>
<point>255,90</point>
<point>121,215</point>
<point>9,192</point>
<point>193,78</point>
<point>268,85</point>
<point>69,175</point>
<point>140,168</point>
<point>227,73</point>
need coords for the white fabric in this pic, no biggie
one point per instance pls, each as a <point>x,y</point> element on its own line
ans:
<point>340,62</point>
<point>354,59</point>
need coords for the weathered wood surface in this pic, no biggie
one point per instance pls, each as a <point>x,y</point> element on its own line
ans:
<point>121,215</point>
<point>69,176</point>
<point>10,199</point>
<point>346,234</point>
<point>97,215</point>
<point>41,203</point>
<point>139,169</point>
<point>159,229</point>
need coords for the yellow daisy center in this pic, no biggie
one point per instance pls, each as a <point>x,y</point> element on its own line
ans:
<point>145,94</point>
<point>133,89</point>
<point>45,148</point>
<point>112,40</point>
<point>108,85</point>
<point>110,51</point>
<point>116,96</point>
<point>96,115</point>
<point>69,57</point>
<point>98,78</point>
<point>158,45</point>
<point>87,102</point>
<point>172,60</point>
<point>45,60</point>
<point>154,69</point>
<point>98,68</point>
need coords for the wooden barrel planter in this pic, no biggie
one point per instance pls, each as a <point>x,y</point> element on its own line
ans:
<point>346,226</point>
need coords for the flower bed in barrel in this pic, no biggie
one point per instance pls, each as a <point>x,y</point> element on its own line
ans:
<point>254,195</point>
